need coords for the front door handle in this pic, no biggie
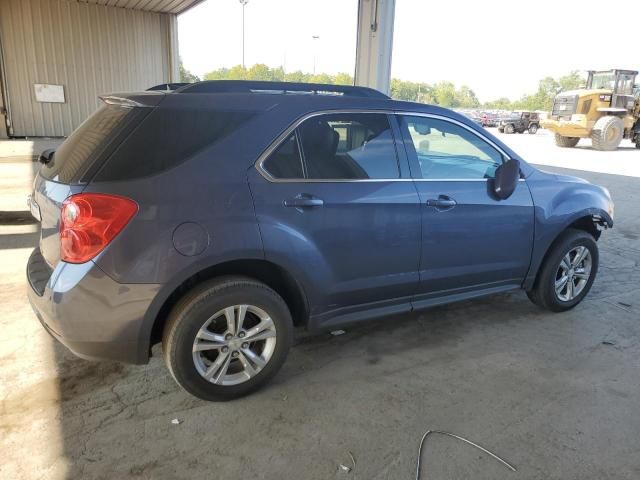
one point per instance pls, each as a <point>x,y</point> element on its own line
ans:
<point>303,200</point>
<point>443,202</point>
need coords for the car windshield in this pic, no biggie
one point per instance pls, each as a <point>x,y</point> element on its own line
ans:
<point>603,80</point>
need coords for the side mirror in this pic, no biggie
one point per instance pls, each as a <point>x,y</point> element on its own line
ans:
<point>506,179</point>
<point>46,156</point>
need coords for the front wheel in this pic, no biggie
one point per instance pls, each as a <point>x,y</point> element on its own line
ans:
<point>567,273</point>
<point>607,133</point>
<point>533,129</point>
<point>566,142</point>
<point>509,129</point>
<point>226,338</point>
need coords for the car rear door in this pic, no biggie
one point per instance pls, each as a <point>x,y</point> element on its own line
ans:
<point>338,210</point>
<point>471,241</point>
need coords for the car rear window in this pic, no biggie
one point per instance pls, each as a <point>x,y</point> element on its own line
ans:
<point>90,143</point>
<point>168,137</point>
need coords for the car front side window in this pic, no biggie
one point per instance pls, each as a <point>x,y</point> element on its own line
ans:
<point>447,151</point>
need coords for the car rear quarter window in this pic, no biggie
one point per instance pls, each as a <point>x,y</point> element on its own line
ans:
<point>285,161</point>
<point>167,138</point>
<point>90,143</point>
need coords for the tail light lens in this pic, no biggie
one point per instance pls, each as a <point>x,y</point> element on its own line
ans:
<point>88,223</point>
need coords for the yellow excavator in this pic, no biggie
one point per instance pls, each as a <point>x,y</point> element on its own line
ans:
<point>606,110</point>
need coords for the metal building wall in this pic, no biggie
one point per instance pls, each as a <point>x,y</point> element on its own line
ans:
<point>89,49</point>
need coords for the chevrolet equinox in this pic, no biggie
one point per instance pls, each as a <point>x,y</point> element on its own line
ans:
<point>217,217</point>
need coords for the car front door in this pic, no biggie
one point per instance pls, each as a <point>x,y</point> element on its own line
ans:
<point>471,242</point>
<point>338,210</point>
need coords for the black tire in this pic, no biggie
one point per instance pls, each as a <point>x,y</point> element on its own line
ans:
<point>196,307</point>
<point>533,129</point>
<point>509,129</point>
<point>501,129</point>
<point>566,142</point>
<point>543,292</point>
<point>607,133</point>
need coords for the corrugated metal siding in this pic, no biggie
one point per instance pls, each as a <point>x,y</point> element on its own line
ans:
<point>89,49</point>
<point>164,6</point>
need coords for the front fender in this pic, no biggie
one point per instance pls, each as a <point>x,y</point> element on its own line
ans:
<point>560,202</point>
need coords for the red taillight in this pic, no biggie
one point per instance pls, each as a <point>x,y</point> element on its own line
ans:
<point>89,221</point>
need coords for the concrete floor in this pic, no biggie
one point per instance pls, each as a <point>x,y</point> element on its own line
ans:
<point>557,395</point>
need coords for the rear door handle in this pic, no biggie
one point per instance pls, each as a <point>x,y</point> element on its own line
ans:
<point>302,200</point>
<point>443,202</point>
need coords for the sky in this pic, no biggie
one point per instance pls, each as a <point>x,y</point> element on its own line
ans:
<point>499,48</point>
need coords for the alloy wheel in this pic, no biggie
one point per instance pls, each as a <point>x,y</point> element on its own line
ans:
<point>234,344</point>
<point>573,273</point>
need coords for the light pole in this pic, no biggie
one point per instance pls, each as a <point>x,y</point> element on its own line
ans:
<point>244,4</point>
<point>314,37</point>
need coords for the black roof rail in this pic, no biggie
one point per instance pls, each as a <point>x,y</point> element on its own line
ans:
<point>167,86</point>
<point>250,86</point>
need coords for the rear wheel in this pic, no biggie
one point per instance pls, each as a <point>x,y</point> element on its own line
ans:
<point>566,142</point>
<point>567,273</point>
<point>227,338</point>
<point>533,129</point>
<point>607,133</point>
<point>509,129</point>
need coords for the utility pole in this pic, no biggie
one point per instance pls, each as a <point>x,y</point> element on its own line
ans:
<point>244,4</point>
<point>314,38</point>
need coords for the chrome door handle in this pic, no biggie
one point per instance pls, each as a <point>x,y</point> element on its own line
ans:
<point>301,201</point>
<point>443,202</point>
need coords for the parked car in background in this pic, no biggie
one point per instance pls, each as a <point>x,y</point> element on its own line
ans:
<point>489,119</point>
<point>520,122</point>
<point>217,217</point>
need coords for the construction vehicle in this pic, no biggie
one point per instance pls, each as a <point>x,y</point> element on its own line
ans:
<point>606,110</point>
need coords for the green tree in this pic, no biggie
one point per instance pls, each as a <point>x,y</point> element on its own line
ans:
<point>500,104</point>
<point>220,74</point>
<point>186,75</point>
<point>296,76</point>
<point>260,72</point>
<point>466,98</point>
<point>571,81</point>
<point>402,90</point>
<point>445,94</point>
<point>343,79</point>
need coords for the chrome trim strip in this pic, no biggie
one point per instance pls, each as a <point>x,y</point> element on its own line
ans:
<point>276,143</point>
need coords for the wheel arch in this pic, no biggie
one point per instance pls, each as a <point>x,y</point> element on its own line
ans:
<point>274,276</point>
<point>587,221</point>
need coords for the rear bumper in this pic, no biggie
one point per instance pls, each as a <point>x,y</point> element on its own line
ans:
<point>91,314</point>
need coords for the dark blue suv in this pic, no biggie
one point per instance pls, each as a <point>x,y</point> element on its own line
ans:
<point>218,217</point>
